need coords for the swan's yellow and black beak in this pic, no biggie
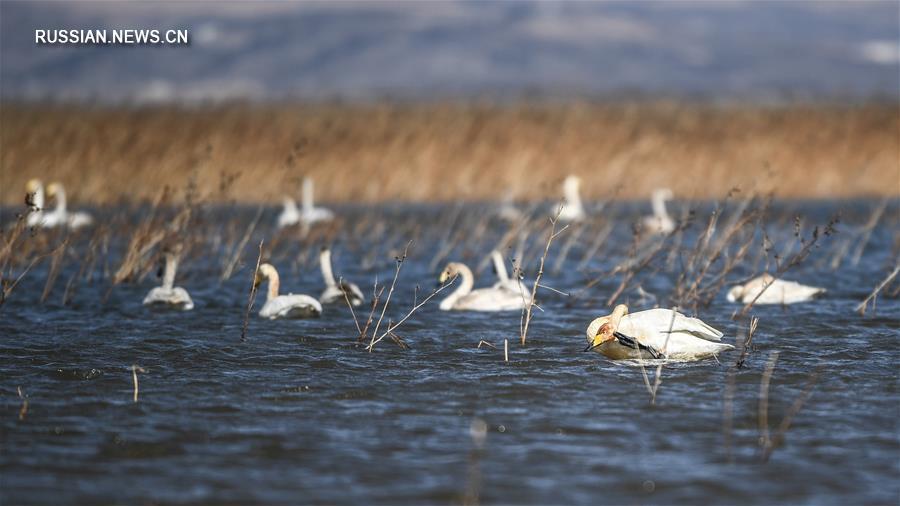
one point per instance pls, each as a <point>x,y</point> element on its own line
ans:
<point>257,280</point>
<point>604,334</point>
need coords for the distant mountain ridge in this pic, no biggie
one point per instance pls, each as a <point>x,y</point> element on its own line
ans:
<point>268,50</point>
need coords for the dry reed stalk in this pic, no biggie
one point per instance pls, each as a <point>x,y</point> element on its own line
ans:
<point>55,262</point>
<point>866,231</point>
<point>349,304</point>
<point>252,295</point>
<point>23,410</point>
<point>863,306</point>
<point>239,249</point>
<point>416,306</point>
<point>537,280</point>
<point>134,370</point>
<point>506,350</point>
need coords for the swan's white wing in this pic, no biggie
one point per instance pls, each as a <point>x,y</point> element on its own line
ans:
<point>177,296</point>
<point>291,306</point>
<point>660,321</point>
<point>491,299</point>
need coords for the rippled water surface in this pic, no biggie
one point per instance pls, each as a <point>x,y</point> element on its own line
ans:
<point>298,413</point>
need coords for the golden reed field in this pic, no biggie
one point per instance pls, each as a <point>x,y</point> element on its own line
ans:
<point>449,151</point>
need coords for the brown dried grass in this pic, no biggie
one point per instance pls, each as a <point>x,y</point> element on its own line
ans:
<point>440,152</point>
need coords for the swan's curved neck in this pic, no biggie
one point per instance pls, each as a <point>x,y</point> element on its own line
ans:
<point>464,288</point>
<point>659,206</point>
<point>60,201</point>
<point>570,192</point>
<point>616,317</point>
<point>39,198</point>
<point>325,265</point>
<point>499,266</point>
<point>308,191</point>
<point>169,273</point>
<point>274,284</point>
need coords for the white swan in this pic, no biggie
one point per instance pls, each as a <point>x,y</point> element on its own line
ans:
<point>39,216</point>
<point>660,222</point>
<point>572,209</point>
<point>73,220</point>
<point>483,299</point>
<point>284,306</point>
<point>774,291</point>
<point>290,215</point>
<point>334,292</point>
<point>168,294</point>
<point>504,282</point>
<point>656,333</point>
<point>310,213</point>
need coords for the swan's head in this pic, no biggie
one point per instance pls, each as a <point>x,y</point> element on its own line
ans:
<point>265,271</point>
<point>53,189</point>
<point>33,185</point>
<point>603,329</point>
<point>572,183</point>
<point>452,270</point>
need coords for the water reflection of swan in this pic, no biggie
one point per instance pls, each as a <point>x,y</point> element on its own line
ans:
<point>660,222</point>
<point>483,299</point>
<point>655,333</point>
<point>73,220</point>
<point>334,292</point>
<point>572,209</point>
<point>774,291</point>
<point>168,294</point>
<point>284,306</point>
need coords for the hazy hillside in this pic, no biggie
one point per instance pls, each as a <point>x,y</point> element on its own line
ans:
<point>754,50</point>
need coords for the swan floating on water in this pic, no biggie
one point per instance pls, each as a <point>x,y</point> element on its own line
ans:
<point>334,292</point>
<point>660,222</point>
<point>777,291</point>
<point>572,209</point>
<point>483,299</point>
<point>621,335</point>
<point>168,294</point>
<point>284,306</point>
<point>38,217</point>
<point>290,215</point>
<point>73,220</point>
<point>504,282</point>
<point>308,213</point>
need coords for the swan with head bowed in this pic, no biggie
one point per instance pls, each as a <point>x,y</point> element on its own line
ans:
<point>655,333</point>
<point>464,298</point>
<point>284,306</point>
<point>771,290</point>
